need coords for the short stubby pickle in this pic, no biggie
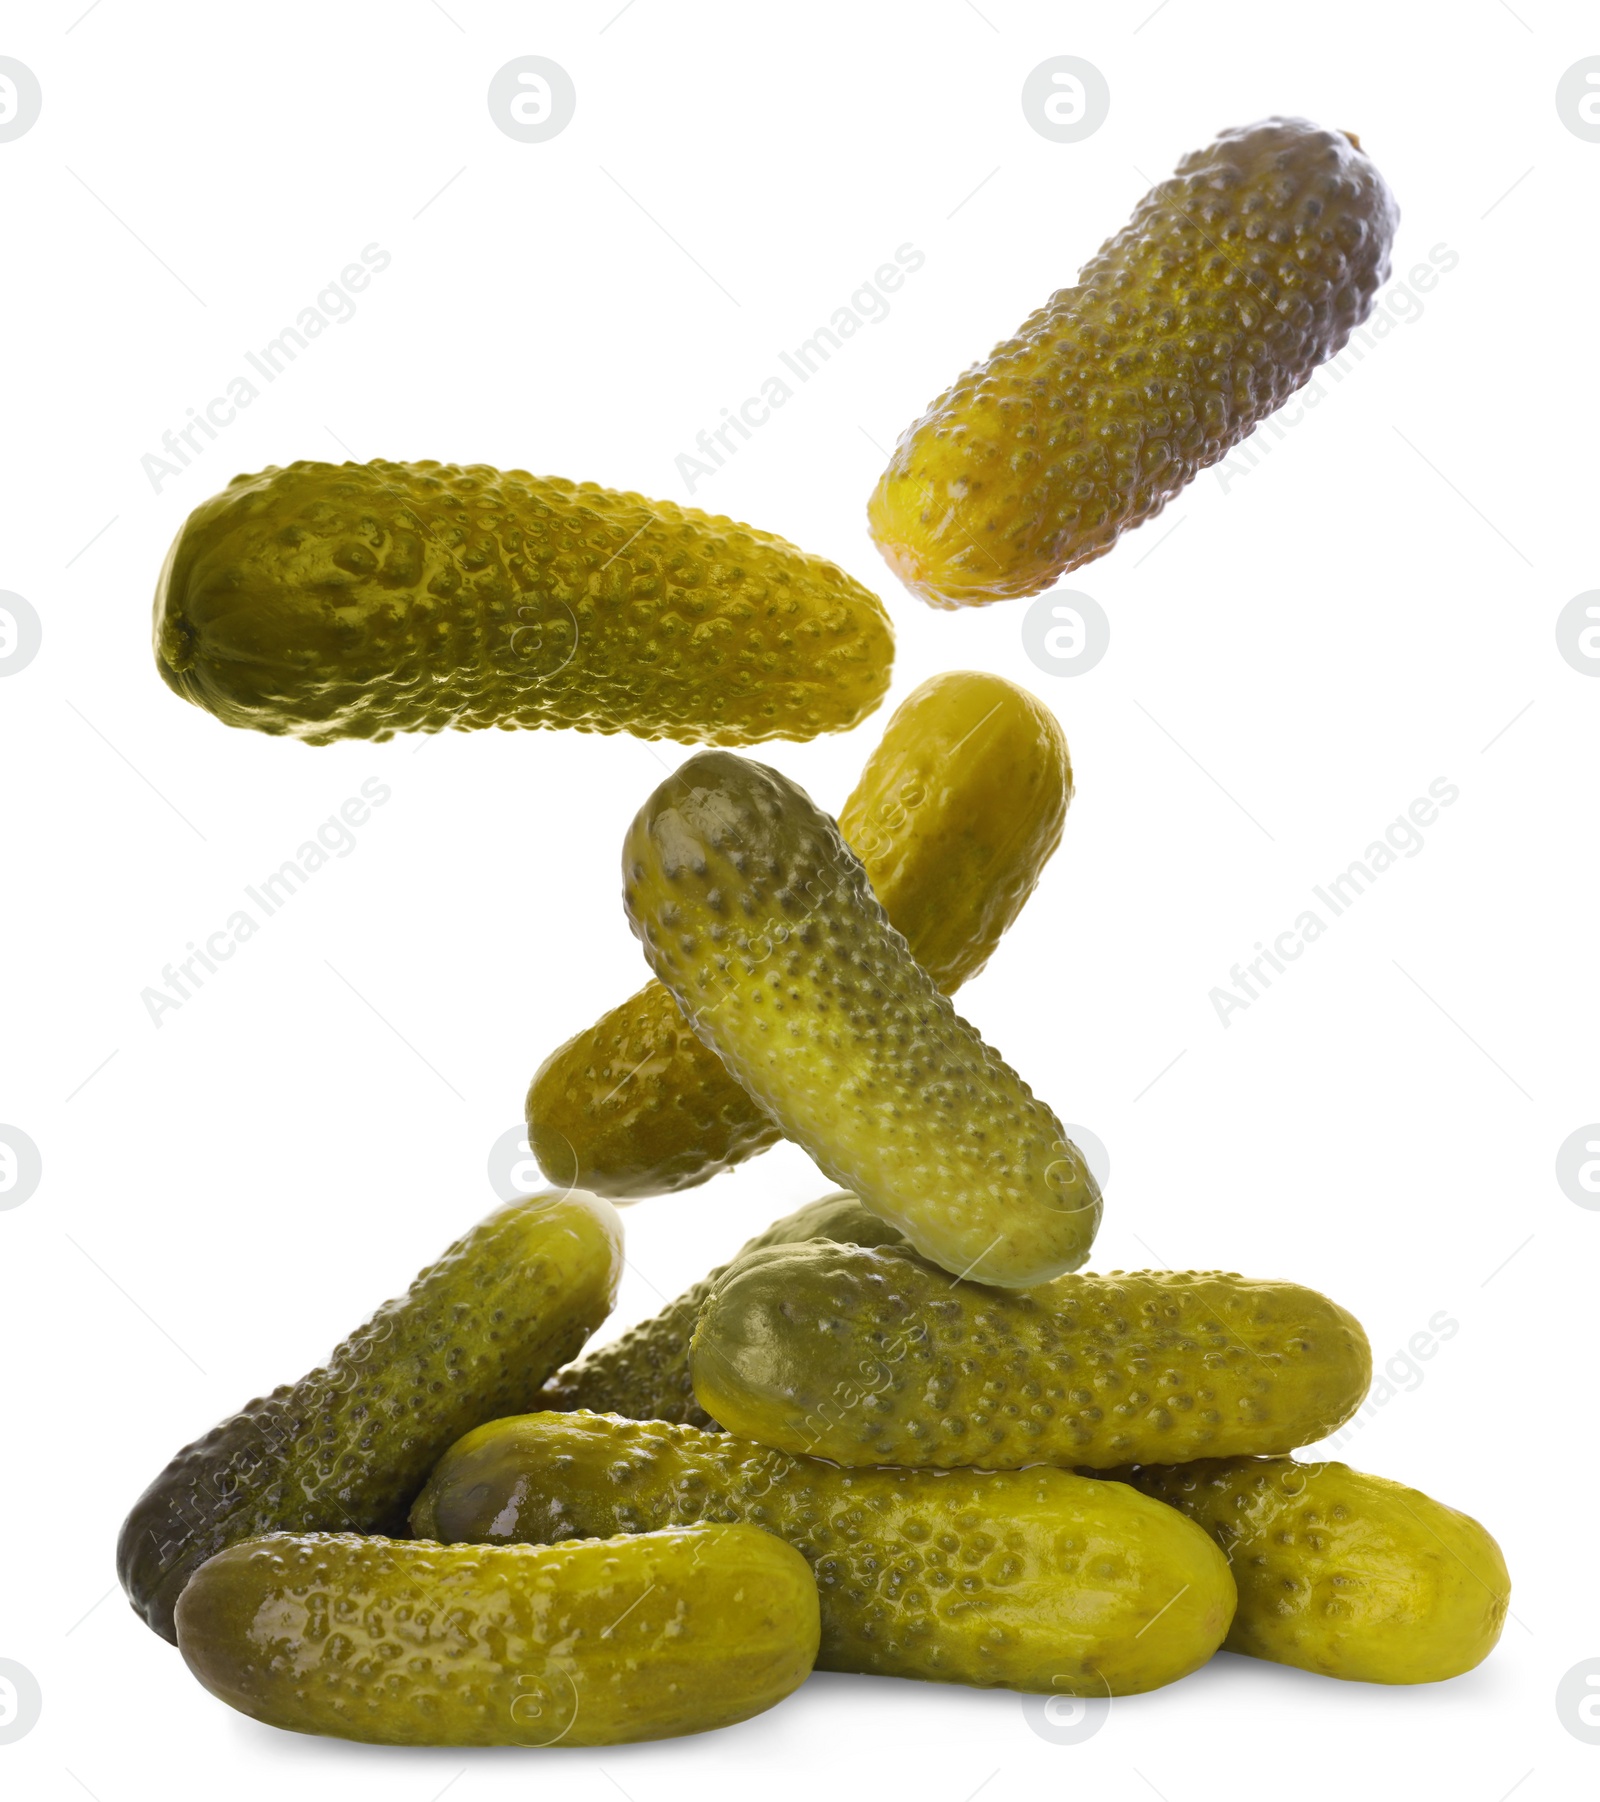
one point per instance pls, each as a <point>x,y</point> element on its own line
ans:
<point>1235,278</point>
<point>1341,1573</point>
<point>955,816</point>
<point>644,1374</point>
<point>598,1643</point>
<point>760,920</point>
<point>873,1356</point>
<point>348,1446</point>
<point>1026,1579</point>
<point>326,601</point>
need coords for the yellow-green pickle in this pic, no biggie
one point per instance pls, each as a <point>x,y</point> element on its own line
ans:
<point>873,1356</point>
<point>644,1374</point>
<point>1344,1574</point>
<point>758,917</point>
<point>1030,1579</point>
<point>956,814</point>
<point>357,600</point>
<point>1233,280</point>
<point>593,1643</point>
<point>348,1446</point>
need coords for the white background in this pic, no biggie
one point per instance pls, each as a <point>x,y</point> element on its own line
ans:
<point>1372,607</point>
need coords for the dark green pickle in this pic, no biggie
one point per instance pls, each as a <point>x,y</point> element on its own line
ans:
<point>590,1643</point>
<point>1027,1579</point>
<point>348,1446</point>
<point>759,918</point>
<point>644,1375</point>
<point>359,600</point>
<point>871,1355</point>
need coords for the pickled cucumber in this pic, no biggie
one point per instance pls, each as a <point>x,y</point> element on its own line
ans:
<point>1234,279</point>
<point>956,814</point>
<point>645,1374</point>
<point>756,915</point>
<point>873,1356</point>
<point>1344,1574</point>
<point>1029,1579</point>
<point>347,1447</point>
<point>595,1643</point>
<point>358,600</point>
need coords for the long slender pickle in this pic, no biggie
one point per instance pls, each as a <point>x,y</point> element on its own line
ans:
<point>644,1374</point>
<point>1233,280</point>
<point>1341,1573</point>
<point>594,1643</point>
<point>758,917</point>
<point>358,600</point>
<point>956,814</point>
<point>1028,1579</point>
<point>348,1446</point>
<point>873,1356</point>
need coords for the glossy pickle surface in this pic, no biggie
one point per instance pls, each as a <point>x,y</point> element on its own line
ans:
<point>1235,278</point>
<point>347,1447</point>
<point>325,601</point>
<point>644,1373</point>
<point>759,918</point>
<point>1138,1366</point>
<point>957,811</point>
<point>1033,1579</point>
<point>593,1643</point>
<point>1342,1573</point>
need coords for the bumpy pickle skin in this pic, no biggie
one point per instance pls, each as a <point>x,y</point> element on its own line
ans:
<point>348,1446</point>
<point>644,1374</point>
<point>758,917</point>
<point>956,814</point>
<point>595,1643</point>
<point>1344,1574</point>
<point>1235,278</point>
<point>1035,1580</point>
<point>325,601</point>
<point>873,1356</point>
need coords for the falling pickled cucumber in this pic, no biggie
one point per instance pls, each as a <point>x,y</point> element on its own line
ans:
<point>1235,278</point>
<point>760,920</point>
<point>1344,1574</point>
<point>1030,1579</point>
<point>348,1446</point>
<point>956,814</point>
<point>596,1643</point>
<point>327,601</point>
<point>873,1356</point>
<point>645,1373</point>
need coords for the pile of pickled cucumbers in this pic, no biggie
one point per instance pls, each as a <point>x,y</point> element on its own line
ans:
<point>901,1432</point>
